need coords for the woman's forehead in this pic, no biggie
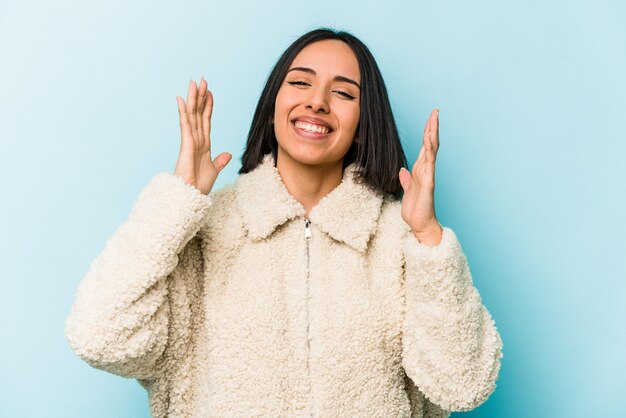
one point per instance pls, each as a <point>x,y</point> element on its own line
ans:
<point>329,56</point>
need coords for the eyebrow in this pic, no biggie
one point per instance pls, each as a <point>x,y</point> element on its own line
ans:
<point>337,78</point>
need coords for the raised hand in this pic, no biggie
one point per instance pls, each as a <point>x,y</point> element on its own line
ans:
<point>418,203</point>
<point>194,164</point>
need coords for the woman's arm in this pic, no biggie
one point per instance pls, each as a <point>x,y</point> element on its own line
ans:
<point>119,321</point>
<point>120,317</point>
<point>451,348</point>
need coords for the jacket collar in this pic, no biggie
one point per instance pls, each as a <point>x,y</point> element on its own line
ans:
<point>348,213</point>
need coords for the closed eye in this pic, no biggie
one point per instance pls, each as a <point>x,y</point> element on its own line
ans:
<point>297,83</point>
<point>344,94</point>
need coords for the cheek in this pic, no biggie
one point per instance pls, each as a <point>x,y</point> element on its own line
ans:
<point>354,119</point>
<point>277,106</point>
<point>282,108</point>
<point>281,116</point>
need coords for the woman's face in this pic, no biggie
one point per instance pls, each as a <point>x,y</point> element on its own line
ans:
<point>317,106</point>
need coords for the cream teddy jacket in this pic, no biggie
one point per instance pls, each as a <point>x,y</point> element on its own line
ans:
<point>232,305</point>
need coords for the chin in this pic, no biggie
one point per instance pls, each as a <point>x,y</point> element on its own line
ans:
<point>308,157</point>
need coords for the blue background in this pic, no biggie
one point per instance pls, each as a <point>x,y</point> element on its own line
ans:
<point>530,172</point>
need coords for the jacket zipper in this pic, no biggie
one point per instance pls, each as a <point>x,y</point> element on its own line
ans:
<point>307,237</point>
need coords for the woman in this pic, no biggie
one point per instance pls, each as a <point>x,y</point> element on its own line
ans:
<point>308,287</point>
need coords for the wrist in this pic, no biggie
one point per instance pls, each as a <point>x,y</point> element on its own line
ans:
<point>430,235</point>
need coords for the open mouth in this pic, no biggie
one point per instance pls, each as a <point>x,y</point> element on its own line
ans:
<point>312,128</point>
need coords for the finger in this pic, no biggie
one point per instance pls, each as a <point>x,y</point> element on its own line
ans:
<point>430,166</point>
<point>201,93</point>
<point>200,103</point>
<point>423,149</point>
<point>185,128</point>
<point>432,120</point>
<point>427,149</point>
<point>427,126</point>
<point>435,131</point>
<point>221,160</point>
<point>427,130</point>
<point>209,103</point>
<point>405,179</point>
<point>428,145</point>
<point>429,154</point>
<point>432,150</point>
<point>192,98</point>
<point>419,161</point>
<point>206,117</point>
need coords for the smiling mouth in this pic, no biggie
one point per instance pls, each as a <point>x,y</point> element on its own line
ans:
<point>312,128</point>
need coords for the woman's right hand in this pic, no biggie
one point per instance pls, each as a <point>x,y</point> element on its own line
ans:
<point>194,164</point>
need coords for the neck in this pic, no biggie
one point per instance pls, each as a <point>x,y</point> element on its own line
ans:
<point>308,184</point>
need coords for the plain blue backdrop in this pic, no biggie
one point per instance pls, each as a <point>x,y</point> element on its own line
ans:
<point>530,172</point>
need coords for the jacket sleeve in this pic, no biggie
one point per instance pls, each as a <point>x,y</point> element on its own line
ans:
<point>451,348</point>
<point>119,319</point>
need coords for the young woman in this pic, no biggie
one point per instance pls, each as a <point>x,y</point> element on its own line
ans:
<point>319,284</point>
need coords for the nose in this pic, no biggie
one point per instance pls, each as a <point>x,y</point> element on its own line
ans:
<point>317,101</point>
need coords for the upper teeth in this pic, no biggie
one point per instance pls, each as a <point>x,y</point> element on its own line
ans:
<point>311,128</point>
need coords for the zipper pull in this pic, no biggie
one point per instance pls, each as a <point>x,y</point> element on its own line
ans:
<point>307,229</point>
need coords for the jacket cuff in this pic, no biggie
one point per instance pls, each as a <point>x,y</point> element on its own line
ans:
<point>437,273</point>
<point>168,209</point>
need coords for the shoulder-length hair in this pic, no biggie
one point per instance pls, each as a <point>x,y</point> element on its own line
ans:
<point>377,152</point>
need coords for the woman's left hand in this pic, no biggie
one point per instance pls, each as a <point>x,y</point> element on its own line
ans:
<point>418,203</point>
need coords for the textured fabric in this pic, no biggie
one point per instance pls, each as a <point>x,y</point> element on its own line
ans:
<point>219,306</point>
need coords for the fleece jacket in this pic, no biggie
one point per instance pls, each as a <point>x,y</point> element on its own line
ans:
<point>232,304</point>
